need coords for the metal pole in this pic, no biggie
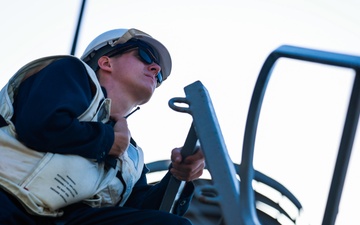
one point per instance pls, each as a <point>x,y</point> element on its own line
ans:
<point>73,49</point>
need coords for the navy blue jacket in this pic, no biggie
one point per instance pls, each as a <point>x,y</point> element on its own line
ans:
<point>46,108</point>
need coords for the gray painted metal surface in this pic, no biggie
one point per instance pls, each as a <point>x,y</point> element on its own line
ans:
<point>236,200</point>
<point>212,142</point>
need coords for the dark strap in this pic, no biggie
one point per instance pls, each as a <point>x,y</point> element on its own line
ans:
<point>3,123</point>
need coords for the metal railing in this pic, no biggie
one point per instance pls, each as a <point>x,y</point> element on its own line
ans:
<point>236,199</point>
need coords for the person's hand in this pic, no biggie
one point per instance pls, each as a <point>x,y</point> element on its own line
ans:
<point>190,168</point>
<point>122,136</point>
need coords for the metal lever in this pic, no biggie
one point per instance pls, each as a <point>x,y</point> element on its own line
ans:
<point>174,184</point>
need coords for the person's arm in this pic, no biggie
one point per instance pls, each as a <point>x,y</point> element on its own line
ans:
<point>46,110</point>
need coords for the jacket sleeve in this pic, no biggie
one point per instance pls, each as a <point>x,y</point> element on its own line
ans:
<point>47,107</point>
<point>147,196</point>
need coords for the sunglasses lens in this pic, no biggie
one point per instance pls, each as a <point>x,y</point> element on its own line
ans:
<point>159,77</point>
<point>148,58</point>
<point>145,56</point>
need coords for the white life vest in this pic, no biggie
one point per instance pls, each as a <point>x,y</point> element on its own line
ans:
<point>46,182</point>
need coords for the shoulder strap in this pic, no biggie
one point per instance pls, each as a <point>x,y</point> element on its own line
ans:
<point>23,73</point>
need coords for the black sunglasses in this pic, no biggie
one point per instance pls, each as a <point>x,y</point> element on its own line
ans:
<point>145,55</point>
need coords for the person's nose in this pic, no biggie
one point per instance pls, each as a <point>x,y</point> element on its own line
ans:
<point>154,67</point>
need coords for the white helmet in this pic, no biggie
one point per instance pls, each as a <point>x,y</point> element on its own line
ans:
<point>105,43</point>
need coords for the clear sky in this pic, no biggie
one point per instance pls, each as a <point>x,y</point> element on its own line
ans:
<point>223,44</point>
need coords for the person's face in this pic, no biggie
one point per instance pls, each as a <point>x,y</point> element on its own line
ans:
<point>134,75</point>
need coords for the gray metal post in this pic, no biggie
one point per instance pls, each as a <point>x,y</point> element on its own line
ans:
<point>212,143</point>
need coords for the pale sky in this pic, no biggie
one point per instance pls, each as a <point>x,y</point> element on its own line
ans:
<point>223,44</point>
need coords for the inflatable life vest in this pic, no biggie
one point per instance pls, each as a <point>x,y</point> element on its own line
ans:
<point>46,182</point>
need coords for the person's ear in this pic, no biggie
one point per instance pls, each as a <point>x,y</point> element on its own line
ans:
<point>104,63</point>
